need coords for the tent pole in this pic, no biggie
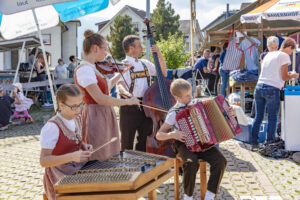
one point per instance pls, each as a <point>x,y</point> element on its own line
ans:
<point>148,41</point>
<point>31,70</point>
<point>18,66</point>
<point>193,15</point>
<point>46,62</point>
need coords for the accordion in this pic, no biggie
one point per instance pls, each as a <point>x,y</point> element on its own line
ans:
<point>207,123</point>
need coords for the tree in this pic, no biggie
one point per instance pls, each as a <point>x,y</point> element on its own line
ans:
<point>164,20</point>
<point>121,27</point>
<point>173,50</point>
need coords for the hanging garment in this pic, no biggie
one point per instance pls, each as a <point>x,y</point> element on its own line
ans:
<point>250,52</point>
<point>233,55</point>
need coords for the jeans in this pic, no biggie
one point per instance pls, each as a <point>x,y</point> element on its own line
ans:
<point>42,77</point>
<point>224,81</point>
<point>266,96</point>
<point>216,73</point>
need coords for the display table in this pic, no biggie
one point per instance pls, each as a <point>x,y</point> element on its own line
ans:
<point>242,87</point>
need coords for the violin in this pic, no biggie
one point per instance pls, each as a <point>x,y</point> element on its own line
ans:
<point>106,67</point>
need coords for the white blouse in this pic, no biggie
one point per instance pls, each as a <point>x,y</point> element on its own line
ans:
<point>86,74</point>
<point>50,132</point>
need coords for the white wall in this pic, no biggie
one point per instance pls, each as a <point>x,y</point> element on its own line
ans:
<point>7,60</point>
<point>1,61</point>
<point>69,45</point>
<point>55,47</point>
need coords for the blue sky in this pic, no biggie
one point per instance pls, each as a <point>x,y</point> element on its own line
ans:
<point>206,10</point>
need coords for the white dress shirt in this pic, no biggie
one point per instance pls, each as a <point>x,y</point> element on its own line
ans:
<point>141,84</point>
<point>171,116</point>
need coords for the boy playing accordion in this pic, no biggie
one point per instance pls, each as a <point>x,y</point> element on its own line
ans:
<point>182,92</point>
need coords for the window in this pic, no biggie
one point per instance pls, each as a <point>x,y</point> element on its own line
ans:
<point>136,27</point>
<point>47,39</point>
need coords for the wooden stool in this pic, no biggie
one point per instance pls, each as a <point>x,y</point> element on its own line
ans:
<point>203,178</point>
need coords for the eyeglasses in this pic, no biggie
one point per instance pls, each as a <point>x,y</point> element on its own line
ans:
<point>75,107</point>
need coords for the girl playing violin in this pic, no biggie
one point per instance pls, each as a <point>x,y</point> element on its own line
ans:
<point>63,151</point>
<point>99,118</point>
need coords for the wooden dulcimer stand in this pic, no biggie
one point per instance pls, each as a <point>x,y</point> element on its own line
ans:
<point>129,175</point>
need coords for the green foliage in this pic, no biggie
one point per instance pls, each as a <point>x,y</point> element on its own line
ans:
<point>164,20</point>
<point>173,50</point>
<point>121,27</point>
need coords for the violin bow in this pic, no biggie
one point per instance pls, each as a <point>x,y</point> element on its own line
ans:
<point>118,68</point>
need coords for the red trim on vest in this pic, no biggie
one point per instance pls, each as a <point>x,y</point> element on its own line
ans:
<point>64,145</point>
<point>102,84</point>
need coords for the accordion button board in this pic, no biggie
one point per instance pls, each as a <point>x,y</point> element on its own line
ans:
<point>128,170</point>
<point>207,123</point>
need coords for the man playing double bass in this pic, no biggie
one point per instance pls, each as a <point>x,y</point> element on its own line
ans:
<point>137,81</point>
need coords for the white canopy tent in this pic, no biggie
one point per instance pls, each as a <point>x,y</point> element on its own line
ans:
<point>19,18</point>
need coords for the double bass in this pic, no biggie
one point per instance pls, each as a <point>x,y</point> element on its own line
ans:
<point>158,96</point>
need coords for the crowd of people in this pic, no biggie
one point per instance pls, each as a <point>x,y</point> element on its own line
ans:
<point>85,117</point>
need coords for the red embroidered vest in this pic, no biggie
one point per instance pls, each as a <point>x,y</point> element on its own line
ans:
<point>102,84</point>
<point>67,141</point>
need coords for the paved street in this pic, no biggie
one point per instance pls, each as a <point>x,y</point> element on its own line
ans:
<point>248,175</point>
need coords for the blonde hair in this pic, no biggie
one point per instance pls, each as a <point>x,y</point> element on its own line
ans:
<point>179,85</point>
<point>91,39</point>
<point>65,91</point>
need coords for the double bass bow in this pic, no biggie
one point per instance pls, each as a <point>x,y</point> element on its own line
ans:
<point>157,96</point>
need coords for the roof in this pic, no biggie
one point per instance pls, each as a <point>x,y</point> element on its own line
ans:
<point>8,45</point>
<point>138,12</point>
<point>75,21</point>
<point>101,24</point>
<point>244,5</point>
<point>220,31</point>
<point>184,26</point>
<point>219,19</point>
<point>226,24</point>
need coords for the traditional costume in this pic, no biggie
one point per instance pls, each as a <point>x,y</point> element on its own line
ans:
<point>133,118</point>
<point>62,136</point>
<point>99,122</point>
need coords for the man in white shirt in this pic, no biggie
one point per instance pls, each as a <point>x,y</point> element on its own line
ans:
<point>137,81</point>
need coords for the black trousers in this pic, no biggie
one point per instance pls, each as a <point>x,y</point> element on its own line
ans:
<point>217,77</point>
<point>211,80</point>
<point>132,119</point>
<point>215,159</point>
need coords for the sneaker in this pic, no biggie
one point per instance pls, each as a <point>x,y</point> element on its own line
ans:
<point>31,120</point>
<point>4,128</point>
<point>186,197</point>
<point>254,147</point>
<point>47,104</point>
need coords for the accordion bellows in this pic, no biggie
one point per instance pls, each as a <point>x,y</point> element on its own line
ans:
<point>207,123</point>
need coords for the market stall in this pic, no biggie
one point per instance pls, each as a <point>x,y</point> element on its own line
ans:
<point>253,32</point>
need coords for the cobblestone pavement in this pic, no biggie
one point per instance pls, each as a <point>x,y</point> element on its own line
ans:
<point>248,176</point>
